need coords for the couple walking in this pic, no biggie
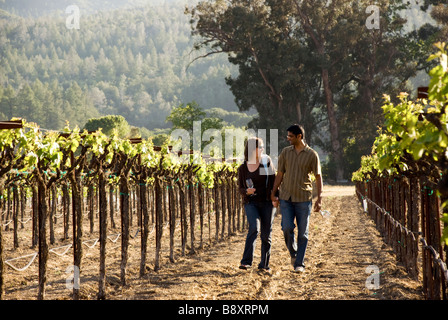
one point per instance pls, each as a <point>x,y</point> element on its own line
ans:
<point>259,185</point>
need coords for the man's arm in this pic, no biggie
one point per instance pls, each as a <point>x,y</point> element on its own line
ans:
<point>278,180</point>
<point>318,204</point>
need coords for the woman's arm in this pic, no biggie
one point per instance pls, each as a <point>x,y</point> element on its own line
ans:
<point>241,179</point>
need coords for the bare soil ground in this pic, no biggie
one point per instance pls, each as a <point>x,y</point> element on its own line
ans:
<point>340,249</point>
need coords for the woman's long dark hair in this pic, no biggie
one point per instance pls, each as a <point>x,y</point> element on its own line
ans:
<point>252,142</point>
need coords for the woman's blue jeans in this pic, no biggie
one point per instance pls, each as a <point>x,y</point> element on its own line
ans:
<point>300,211</point>
<point>260,218</point>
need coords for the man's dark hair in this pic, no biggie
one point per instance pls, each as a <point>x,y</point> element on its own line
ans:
<point>297,129</point>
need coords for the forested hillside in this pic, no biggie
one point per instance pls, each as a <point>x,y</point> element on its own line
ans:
<point>129,62</point>
<point>36,8</point>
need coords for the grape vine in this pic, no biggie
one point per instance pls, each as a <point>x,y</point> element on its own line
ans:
<point>414,139</point>
<point>32,157</point>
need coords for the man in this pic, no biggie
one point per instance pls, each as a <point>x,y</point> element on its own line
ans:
<point>295,165</point>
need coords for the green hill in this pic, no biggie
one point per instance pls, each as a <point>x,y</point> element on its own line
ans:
<point>129,62</point>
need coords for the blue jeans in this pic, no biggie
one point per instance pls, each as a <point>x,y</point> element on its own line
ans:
<point>300,211</point>
<point>260,218</point>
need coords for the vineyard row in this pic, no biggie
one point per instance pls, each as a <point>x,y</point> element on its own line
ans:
<point>167,186</point>
<point>407,212</point>
<point>172,205</point>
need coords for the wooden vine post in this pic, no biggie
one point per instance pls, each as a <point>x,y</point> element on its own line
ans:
<point>142,174</point>
<point>15,216</point>
<point>77,216</point>
<point>433,284</point>
<point>43,185</point>
<point>43,246</point>
<point>66,208</point>
<point>159,221</point>
<point>125,165</point>
<point>98,165</point>
<point>103,231</point>
<point>172,216</point>
<point>183,214</point>
<point>53,205</point>
<point>201,213</point>
<point>191,188</point>
<point>217,206</point>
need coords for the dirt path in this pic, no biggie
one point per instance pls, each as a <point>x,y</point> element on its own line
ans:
<point>340,249</point>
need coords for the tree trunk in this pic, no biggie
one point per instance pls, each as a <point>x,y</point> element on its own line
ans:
<point>319,42</point>
<point>299,112</point>
<point>334,128</point>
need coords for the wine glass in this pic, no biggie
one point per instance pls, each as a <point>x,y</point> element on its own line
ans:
<point>250,185</point>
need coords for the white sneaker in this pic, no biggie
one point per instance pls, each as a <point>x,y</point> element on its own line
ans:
<point>299,269</point>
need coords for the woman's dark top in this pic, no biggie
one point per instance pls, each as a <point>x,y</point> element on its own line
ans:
<point>262,193</point>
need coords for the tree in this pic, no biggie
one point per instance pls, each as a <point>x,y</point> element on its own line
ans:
<point>263,42</point>
<point>80,107</point>
<point>108,124</point>
<point>28,106</point>
<point>439,13</point>
<point>296,58</point>
<point>7,102</point>
<point>378,60</point>
<point>234,118</point>
<point>183,117</point>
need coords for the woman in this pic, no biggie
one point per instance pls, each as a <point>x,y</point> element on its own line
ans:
<point>255,181</point>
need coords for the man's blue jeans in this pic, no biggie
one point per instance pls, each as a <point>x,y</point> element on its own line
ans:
<point>260,218</point>
<point>300,211</point>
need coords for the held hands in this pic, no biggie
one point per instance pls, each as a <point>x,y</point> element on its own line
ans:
<point>274,200</point>
<point>317,204</point>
